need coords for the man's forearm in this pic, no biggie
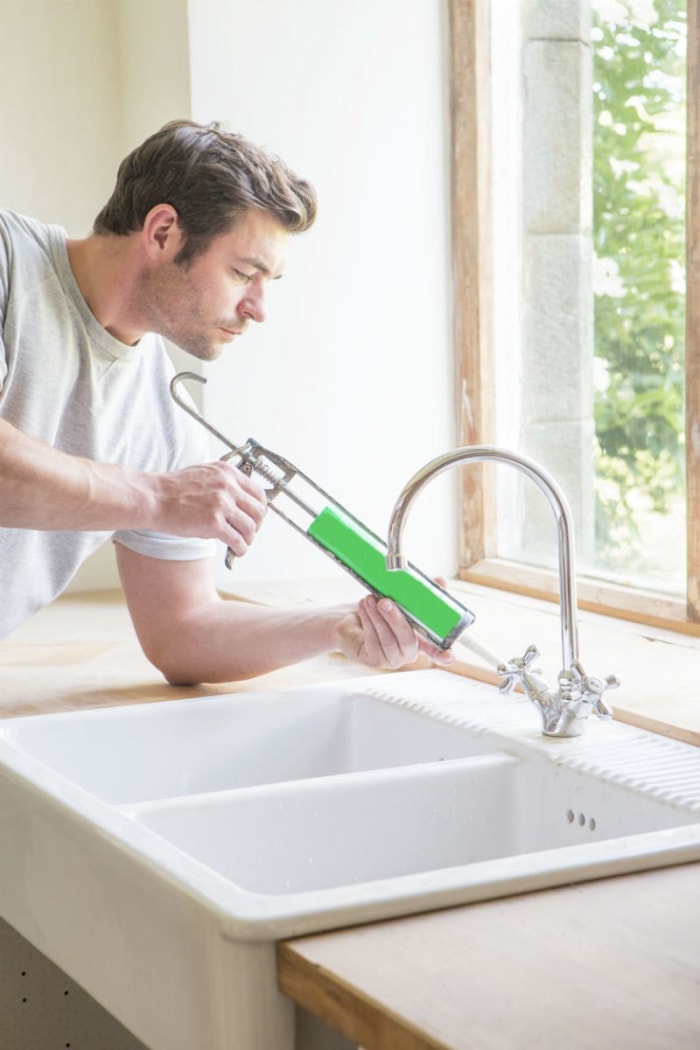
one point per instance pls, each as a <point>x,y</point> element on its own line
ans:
<point>231,641</point>
<point>192,635</point>
<point>43,488</point>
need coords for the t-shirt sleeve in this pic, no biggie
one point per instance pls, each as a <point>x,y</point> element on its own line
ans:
<point>168,548</point>
<point>187,444</point>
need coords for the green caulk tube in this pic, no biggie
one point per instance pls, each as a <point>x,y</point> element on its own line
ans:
<point>427,605</point>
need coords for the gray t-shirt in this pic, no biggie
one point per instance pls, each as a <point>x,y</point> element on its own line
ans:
<point>66,381</point>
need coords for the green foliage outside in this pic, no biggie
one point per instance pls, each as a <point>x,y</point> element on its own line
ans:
<point>639,280</point>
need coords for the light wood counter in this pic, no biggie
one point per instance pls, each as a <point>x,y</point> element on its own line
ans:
<point>81,652</point>
<point>603,964</point>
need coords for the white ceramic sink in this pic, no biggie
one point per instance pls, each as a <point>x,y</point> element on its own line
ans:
<point>157,852</point>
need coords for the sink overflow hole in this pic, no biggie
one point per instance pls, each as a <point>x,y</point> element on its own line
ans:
<point>581,819</point>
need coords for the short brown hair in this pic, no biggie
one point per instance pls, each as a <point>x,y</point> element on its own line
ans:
<point>211,177</point>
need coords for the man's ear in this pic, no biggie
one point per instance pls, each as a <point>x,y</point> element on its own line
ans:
<point>162,236</point>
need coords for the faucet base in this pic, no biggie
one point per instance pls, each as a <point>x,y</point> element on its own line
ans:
<point>564,710</point>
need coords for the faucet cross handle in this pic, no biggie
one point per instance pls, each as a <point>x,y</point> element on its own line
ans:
<point>512,671</point>
<point>593,690</point>
<point>575,684</point>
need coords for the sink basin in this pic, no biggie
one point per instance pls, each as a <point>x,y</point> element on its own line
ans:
<point>157,852</point>
<point>184,747</point>
<point>295,839</point>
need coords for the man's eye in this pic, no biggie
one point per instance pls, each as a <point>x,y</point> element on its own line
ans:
<point>244,277</point>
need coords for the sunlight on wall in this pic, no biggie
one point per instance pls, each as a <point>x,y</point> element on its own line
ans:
<point>350,377</point>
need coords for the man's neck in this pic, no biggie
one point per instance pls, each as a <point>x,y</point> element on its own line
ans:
<point>104,268</point>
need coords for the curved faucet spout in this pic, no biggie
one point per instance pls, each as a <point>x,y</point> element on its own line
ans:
<point>557,501</point>
<point>564,709</point>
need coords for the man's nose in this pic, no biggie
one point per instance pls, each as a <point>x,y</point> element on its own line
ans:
<point>252,305</point>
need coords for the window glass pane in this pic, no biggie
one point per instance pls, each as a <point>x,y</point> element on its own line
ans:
<point>639,287</point>
<point>589,282</point>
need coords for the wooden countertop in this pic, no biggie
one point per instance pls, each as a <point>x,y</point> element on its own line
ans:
<point>600,965</point>
<point>82,652</point>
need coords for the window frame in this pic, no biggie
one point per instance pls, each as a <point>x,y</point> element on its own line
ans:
<point>469,28</point>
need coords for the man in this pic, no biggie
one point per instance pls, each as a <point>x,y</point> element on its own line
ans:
<point>91,445</point>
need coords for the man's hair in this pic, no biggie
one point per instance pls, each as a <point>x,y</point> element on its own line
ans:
<point>212,178</point>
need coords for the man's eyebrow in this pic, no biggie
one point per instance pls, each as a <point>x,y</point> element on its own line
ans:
<point>261,267</point>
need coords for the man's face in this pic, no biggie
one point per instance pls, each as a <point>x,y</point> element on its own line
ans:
<point>204,304</point>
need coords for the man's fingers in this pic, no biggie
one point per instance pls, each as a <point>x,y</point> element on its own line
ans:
<point>390,631</point>
<point>436,654</point>
<point>401,643</point>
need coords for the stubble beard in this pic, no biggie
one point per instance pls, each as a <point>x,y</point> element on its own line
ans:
<point>172,306</point>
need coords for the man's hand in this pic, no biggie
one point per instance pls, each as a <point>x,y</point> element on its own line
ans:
<point>213,501</point>
<point>377,633</point>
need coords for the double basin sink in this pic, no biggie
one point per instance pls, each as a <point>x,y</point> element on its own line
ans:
<point>157,852</point>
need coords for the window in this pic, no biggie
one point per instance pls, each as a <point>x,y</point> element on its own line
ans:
<point>532,124</point>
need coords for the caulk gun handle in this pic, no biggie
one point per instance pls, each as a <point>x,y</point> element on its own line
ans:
<point>246,468</point>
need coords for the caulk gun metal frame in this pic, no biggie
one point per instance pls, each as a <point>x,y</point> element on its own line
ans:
<point>251,457</point>
<point>339,534</point>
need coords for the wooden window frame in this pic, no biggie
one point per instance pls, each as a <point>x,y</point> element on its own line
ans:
<point>469,24</point>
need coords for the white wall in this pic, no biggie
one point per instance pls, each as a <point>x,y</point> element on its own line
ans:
<point>60,118</point>
<point>154,65</point>
<point>351,376</point>
<point>61,129</point>
<point>82,82</point>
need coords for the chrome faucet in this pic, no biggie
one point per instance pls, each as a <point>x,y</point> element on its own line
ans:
<point>565,709</point>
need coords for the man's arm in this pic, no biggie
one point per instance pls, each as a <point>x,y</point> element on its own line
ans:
<point>193,635</point>
<point>42,488</point>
